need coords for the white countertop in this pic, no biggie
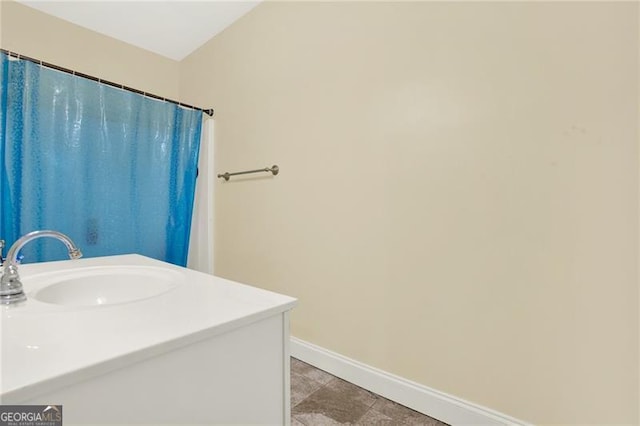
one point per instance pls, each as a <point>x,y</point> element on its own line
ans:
<point>46,346</point>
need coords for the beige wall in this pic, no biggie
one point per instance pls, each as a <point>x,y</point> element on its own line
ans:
<point>458,200</point>
<point>35,34</point>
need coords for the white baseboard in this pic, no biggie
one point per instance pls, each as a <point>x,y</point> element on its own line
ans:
<point>436,404</point>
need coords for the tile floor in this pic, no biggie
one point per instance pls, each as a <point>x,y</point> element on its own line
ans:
<point>320,399</point>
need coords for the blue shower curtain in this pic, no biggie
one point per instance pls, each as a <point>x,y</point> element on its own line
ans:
<point>113,170</point>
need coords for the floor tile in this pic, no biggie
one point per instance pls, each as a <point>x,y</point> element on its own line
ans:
<point>296,422</point>
<point>351,392</point>
<point>316,419</point>
<point>320,399</point>
<point>299,366</point>
<point>402,414</point>
<point>376,418</point>
<point>334,404</point>
<point>310,371</point>
<point>302,387</point>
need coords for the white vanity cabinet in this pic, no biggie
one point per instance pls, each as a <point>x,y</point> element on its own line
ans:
<point>210,351</point>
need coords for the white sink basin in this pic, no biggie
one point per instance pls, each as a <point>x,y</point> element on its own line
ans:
<point>103,285</point>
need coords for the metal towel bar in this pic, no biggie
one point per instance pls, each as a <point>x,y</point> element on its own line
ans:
<point>273,169</point>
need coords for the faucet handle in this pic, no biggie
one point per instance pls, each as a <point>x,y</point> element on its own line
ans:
<point>2,258</point>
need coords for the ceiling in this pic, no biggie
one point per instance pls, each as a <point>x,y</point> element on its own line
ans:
<point>172,28</point>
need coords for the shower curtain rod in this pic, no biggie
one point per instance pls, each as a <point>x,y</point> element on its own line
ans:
<point>209,111</point>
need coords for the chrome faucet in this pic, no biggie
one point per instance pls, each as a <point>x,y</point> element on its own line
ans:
<point>10,285</point>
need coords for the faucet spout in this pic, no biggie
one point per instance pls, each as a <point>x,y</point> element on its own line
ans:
<point>12,254</point>
<point>11,290</point>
